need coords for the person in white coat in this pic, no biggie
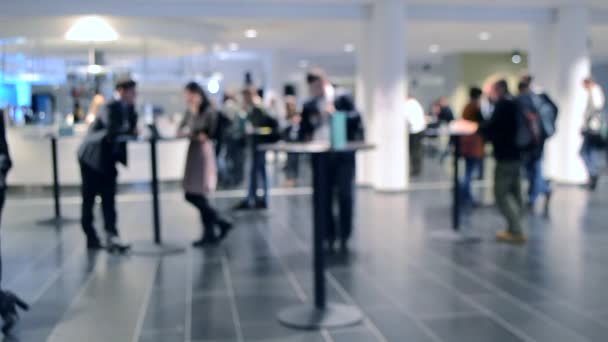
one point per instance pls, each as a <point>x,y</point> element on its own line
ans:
<point>416,121</point>
<point>594,122</point>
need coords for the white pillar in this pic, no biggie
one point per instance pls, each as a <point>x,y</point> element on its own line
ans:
<point>542,56</point>
<point>563,162</point>
<point>387,123</point>
<point>363,97</point>
<point>273,81</point>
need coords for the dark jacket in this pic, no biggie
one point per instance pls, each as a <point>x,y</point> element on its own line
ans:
<point>260,119</point>
<point>501,129</point>
<point>102,148</point>
<point>311,119</point>
<point>5,158</point>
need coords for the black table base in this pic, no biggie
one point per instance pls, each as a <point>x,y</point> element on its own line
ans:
<point>308,317</point>
<point>155,248</point>
<point>456,234</point>
<point>58,220</point>
<point>321,314</point>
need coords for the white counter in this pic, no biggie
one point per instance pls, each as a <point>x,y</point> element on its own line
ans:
<point>31,154</point>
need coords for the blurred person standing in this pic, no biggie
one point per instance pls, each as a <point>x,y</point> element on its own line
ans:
<point>539,108</point>
<point>101,150</point>
<point>501,130</point>
<point>9,302</point>
<point>472,147</point>
<point>445,116</point>
<point>262,129</point>
<point>316,111</point>
<point>200,177</point>
<point>236,140</point>
<point>417,124</point>
<point>594,134</point>
<point>291,133</point>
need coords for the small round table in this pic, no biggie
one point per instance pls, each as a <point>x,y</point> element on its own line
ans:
<point>321,314</point>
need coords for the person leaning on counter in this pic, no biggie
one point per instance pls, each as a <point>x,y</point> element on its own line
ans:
<point>98,155</point>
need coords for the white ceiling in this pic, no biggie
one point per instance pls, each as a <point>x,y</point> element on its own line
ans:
<point>165,28</point>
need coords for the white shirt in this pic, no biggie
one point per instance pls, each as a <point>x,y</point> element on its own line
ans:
<point>597,98</point>
<point>414,114</point>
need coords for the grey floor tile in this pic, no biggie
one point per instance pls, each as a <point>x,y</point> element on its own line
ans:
<point>471,329</point>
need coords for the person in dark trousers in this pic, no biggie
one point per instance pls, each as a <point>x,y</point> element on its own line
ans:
<point>104,147</point>
<point>472,147</point>
<point>533,157</point>
<point>501,130</point>
<point>341,170</point>
<point>200,124</point>
<point>236,140</point>
<point>593,122</point>
<point>263,129</point>
<point>291,133</point>
<point>317,109</point>
<point>9,302</point>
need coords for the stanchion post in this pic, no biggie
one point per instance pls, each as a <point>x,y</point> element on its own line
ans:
<point>56,188</point>
<point>319,204</point>
<point>154,185</point>
<point>456,190</point>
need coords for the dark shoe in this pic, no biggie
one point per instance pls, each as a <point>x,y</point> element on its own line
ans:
<point>9,303</point>
<point>244,205</point>
<point>207,240</point>
<point>225,228</point>
<point>261,204</point>
<point>593,183</point>
<point>94,245</point>
<point>116,245</point>
<point>547,206</point>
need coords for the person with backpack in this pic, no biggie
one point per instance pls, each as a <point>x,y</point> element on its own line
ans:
<point>263,129</point>
<point>541,114</point>
<point>595,130</point>
<point>502,130</point>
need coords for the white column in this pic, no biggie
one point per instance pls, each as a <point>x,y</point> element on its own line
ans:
<point>387,124</point>
<point>363,97</point>
<point>563,162</point>
<point>542,56</point>
<point>273,81</point>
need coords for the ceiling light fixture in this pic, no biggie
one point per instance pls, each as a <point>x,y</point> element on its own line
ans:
<point>251,33</point>
<point>94,69</point>
<point>91,29</point>
<point>233,46</point>
<point>348,48</point>
<point>434,48</point>
<point>485,36</point>
<point>516,57</point>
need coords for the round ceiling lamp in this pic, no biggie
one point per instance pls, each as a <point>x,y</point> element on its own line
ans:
<point>91,29</point>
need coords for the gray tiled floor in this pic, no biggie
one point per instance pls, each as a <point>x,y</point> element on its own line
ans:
<point>410,287</point>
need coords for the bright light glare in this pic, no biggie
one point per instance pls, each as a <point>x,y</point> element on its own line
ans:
<point>485,36</point>
<point>91,29</point>
<point>349,48</point>
<point>251,33</point>
<point>213,86</point>
<point>233,46</point>
<point>516,59</point>
<point>434,48</point>
<point>94,69</point>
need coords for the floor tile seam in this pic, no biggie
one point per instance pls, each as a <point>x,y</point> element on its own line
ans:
<point>139,325</point>
<point>232,298</point>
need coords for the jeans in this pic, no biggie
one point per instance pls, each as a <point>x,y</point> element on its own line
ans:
<point>416,153</point>
<point>589,155</point>
<point>209,215</point>
<point>507,193</point>
<point>537,184</point>
<point>95,183</point>
<point>258,172</point>
<point>472,169</point>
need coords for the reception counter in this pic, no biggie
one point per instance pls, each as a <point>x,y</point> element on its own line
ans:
<point>32,165</point>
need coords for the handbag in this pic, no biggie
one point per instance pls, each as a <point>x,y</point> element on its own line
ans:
<point>596,129</point>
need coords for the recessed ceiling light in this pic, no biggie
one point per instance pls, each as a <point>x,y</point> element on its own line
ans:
<point>516,57</point>
<point>349,48</point>
<point>251,33</point>
<point>233,46</point>
<point>94,69</point>
<point>485,36</point>
<point>434,48</point>
<point>303,64</point>
<point>91,29</point>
